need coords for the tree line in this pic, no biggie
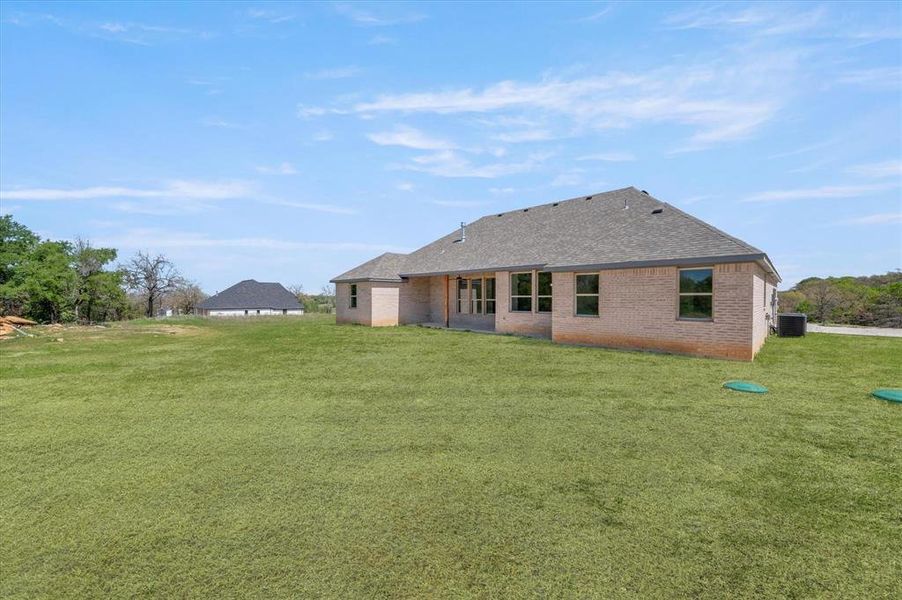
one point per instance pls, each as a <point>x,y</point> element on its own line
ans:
<point>874,300</point>
<point>60,281</point>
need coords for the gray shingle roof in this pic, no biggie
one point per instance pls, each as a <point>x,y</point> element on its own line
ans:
<point>588,231</point>
<point>252,294</point>
<point>385,267</point>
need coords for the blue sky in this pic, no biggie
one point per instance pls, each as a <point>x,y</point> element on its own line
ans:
<point>291,142</point>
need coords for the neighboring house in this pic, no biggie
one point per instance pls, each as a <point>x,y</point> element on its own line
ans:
<point>251,298</point>
<point>619,269</point>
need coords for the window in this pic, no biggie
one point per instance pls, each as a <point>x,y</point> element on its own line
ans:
<point>284,311</point>
<point>352,301</point>
<point>587,295</point>
<point>258,311</point>
<point>543,292</point>
<point>490,295</point>
<point>245,313</point>
<point>462,287</point>
<point>521,292</point>
<point>476,296</point>
<point>696,294</point>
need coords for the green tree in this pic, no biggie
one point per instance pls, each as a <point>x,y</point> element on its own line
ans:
<point>17,242</point>
<point>94,284</point>
<point>46,281</point>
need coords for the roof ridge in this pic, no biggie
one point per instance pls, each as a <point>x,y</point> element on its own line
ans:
<point>557,202</point>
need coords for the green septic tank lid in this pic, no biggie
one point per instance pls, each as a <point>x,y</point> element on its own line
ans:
<point>745,386</point>
<point>888,394</point>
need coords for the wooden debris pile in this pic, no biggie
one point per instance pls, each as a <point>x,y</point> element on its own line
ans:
<point>10,326</point>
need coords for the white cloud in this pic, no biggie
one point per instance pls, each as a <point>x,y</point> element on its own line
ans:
<point>306,112</point>
<point>879,170</point>
<point>334,73</point>
<point>719,103</point>
<point>526,135</point>
<point>889,78</point>
<point>165,240</point>
<point>382,40</point>
<point>804,149</point>
<point>760,19</point>
<point>877,219</point>
<point>609,157</point>
<point>405,186</point>
<point>568,179</point>
<point>198,190</point>
<point>323,135</point>
<point>448,163</point>
<point>270,16</point>
<point>409,137</point>
<point>597,16</point>
<point>316,207</point>
<point>285,168</point>
<point>220,123</point>
<point>825,192</point>
<point>504,190</point>
<point>366,18</point>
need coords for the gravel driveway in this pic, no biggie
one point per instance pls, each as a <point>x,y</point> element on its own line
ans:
<point>878,331</point>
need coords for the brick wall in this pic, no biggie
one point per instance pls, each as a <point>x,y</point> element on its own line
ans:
<point>385,304</point>
<point>414,301</point>
<point>361,315</point>
<point>638,309</point>
<point>522,323</point>
<point>763,316</point>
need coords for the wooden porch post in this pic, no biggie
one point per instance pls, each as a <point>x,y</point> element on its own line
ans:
<point>447,291</point>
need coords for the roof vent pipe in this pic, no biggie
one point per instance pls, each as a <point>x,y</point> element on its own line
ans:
<point>463,233</point>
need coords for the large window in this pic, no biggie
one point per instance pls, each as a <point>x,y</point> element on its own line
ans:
<point>490,295</point>
<point>463,285</point>
<point>587,295</point>
<point>521,292</point>
<point>543,292</point>
<point>696,294</point>
<point>352,303</point>
<point>476,296</point>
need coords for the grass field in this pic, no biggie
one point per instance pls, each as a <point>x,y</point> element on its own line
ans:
<point>294,457</point>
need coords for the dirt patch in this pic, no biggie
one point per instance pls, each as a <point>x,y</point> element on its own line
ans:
<point>171,330</point>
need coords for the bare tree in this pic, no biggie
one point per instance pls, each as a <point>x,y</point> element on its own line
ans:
<point>825,299</point>
<point>186,296</point>
<point>152,276</point>
<point>298,290</point>
<point>328,290</point>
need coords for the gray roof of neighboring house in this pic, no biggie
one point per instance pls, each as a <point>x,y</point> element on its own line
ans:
<point>252,294</point>
<point>616,229</point>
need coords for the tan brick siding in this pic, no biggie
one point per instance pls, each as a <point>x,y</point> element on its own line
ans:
<point>361,315</point>
<point>523,323</point>
<point>638,309</point>
<point>436,305</point>
<point>414,305</point>
<point>385,302</point>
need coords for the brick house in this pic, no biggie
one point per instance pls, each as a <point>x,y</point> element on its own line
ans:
<point>619,269</point>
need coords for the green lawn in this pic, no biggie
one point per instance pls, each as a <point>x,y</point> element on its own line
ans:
<point>294,457</point>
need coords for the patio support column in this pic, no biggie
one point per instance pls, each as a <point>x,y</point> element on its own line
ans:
<point>447,291</point>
